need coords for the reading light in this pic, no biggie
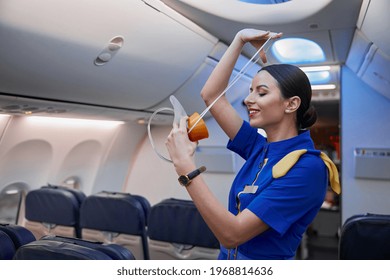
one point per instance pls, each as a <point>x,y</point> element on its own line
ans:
<point>317,74</point>
<point>323,87</point>
<point>74,122</point>
<point>315,68</point>
<point>318,77</point>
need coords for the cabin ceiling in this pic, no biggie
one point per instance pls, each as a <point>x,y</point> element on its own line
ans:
<point>307,19</point>
<point>53,57</point>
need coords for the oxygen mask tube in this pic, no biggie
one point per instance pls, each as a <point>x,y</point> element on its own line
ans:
<point>197,129</point>
<point>243,70</point>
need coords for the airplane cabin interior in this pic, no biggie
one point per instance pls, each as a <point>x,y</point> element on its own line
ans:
<point>80,81</point>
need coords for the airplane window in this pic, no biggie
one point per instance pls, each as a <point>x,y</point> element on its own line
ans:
<point>72,182</point>
<point>10,198</point>
<point>298,51</point>
<point>264,1</point>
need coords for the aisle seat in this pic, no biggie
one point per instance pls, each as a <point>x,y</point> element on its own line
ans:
<point>53,210</point>
<point>119,218</point>
<point>176,230</point>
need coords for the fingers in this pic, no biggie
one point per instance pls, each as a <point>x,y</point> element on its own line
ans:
<point>180,128</point>
<point>263,56</point>
<point>263,39</point>
<point>267,34</point>
<point>276,35</point>
<point>179,146</point>
<point>273,35</point>
<point>183,123</point>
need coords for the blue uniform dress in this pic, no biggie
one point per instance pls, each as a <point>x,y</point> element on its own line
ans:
<point>287,204</point>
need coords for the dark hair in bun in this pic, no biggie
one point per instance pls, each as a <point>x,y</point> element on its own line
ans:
<point>294,82</point>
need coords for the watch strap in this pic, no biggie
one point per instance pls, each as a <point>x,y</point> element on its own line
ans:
<point>185,180</point>
<point>196,172</point>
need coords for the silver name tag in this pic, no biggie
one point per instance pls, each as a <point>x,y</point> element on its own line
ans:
<point>250,189</point>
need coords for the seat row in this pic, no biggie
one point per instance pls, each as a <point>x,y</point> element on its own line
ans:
<point>18,243</point>
<point>171,229</point>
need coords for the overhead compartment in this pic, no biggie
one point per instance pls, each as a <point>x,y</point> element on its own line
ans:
<point>51,49</point>
<point>370,63</point>
<point>375,71</point>
<point>369,56</point>
<point>359,49</point>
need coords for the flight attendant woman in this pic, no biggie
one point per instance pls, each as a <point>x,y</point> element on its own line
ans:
<point>282,185</point>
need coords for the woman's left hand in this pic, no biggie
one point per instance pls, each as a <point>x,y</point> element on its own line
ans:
<point>180,148</point>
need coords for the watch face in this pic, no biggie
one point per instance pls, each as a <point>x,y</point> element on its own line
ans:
<point>184,180</point>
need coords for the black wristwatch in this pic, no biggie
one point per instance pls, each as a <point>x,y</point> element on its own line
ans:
<point>185,180</point>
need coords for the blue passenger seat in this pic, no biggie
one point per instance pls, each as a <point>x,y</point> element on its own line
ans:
<point>7,248</point>
<point>11,238</point>
<point>119,218</point>
<point>54,210</point>
<point>53,247</point>
<point>176,230</point>
<point>365,237</point>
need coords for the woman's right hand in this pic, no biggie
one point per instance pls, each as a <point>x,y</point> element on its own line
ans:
<point>257,38</point>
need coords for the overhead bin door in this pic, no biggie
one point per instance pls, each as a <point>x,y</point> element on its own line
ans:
<point>369,56</point>
<point>51,46</point>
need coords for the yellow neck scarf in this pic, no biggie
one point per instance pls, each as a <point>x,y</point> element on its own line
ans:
<point>284,165</point>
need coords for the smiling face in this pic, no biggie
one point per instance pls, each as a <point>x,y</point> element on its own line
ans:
<point>265,103</point>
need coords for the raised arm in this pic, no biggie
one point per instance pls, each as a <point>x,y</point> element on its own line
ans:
<point>223,111</point>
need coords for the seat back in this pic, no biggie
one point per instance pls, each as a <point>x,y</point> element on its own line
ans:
<point>19,235</point>
<point>11,238</point>
<point>176,230</point>
<point>7,247</point>
<point>52,247</point>
<point>53,210</point>
<point>118,218</point>
<point>365,237</point>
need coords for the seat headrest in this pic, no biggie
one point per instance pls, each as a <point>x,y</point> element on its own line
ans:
<point>114,212</point>
<point>179,221</point>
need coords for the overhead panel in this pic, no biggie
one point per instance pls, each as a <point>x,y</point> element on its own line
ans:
<point>359,48</point>
<point>56,52</point>
<point>376,71</point>
<point>369,55</point>
<point>376,24</point>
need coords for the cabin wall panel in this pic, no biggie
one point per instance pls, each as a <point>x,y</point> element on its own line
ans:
<point>27,161</point>
<point>83,159</point>
<point>364,123</point>
<point>39,151</point>
<point>121,157</point>
<point>151,176</point>
<point>3,124</point>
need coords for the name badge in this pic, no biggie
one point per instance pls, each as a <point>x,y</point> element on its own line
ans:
<point>250,189</point>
